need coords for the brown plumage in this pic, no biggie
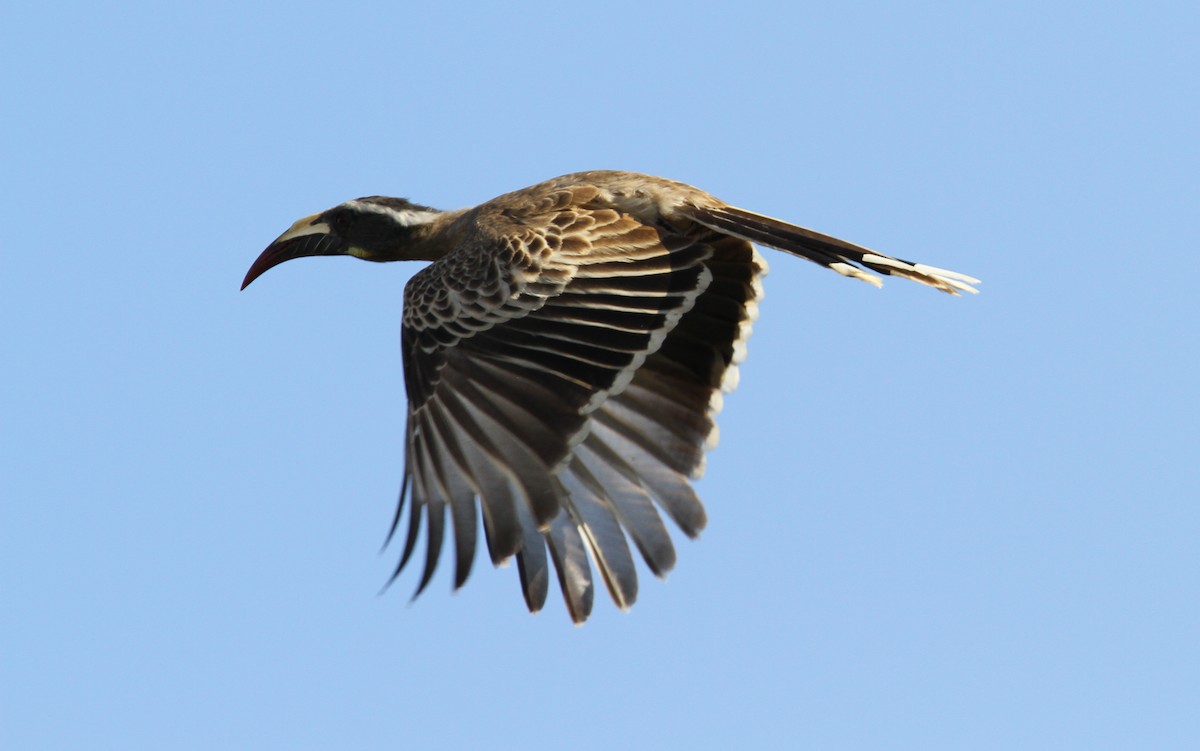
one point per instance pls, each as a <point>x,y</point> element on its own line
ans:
<point>564,358</point>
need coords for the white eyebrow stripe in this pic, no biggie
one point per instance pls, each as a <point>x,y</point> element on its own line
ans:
<point>403,217</point>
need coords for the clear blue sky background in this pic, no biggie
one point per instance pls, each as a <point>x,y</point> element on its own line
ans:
<point>935,523</point>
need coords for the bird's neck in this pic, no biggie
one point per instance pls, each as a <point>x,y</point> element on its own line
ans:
<point>429,241</point>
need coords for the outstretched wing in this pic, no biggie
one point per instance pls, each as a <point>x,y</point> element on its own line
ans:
<point>533,354</point>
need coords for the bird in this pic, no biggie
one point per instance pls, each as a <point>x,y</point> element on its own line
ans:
<point>565,353</point>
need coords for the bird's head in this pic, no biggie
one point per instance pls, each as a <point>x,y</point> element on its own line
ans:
<point>376,228</point>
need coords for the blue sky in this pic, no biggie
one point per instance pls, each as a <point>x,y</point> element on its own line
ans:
<point>933,522</point>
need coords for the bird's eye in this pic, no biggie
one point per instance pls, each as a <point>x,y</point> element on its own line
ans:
<point>340,221</point>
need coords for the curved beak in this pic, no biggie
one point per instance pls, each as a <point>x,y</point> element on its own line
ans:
<point>308,237</point>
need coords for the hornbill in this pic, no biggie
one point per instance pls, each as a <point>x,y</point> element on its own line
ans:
<point>564,355</point>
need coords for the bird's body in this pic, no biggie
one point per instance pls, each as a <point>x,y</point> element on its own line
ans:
<point>565,355</point>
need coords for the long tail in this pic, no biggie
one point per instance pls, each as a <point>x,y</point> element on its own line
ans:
<point>845,258</point>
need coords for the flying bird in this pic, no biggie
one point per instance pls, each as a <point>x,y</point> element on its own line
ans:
<point>565,356</point>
